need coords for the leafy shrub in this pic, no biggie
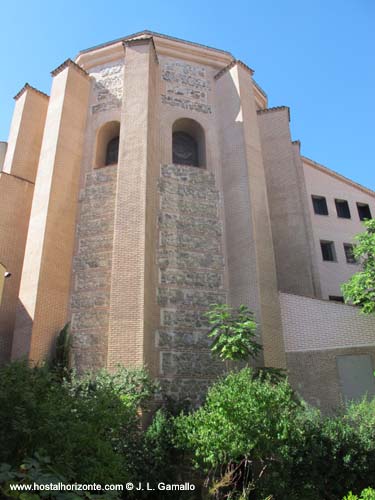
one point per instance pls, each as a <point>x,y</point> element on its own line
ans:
<point>367,494</point>
<point>39,470</point>
<point>242,429</point>
<point>331,455</point>
<point>90,427</point>
<point>253,437</point>
<point>233,333</point>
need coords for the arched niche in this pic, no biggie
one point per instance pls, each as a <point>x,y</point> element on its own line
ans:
<point>107,144</point>
<point>188,143</point>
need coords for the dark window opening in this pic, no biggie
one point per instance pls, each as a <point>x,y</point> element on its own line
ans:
<point>363,211</point>
<point>111,156</point>
<point>342,208</point>
<point>320,205</point>
<point>348,248</point>
<point>185,149</point>
<point>328,250</point>
<point>336,298</point>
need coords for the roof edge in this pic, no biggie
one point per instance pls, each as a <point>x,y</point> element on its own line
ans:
<point>27,86</point>
<point>150,34</point>
<point>341,177</point>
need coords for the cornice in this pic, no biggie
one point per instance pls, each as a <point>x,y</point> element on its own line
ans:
<point>69,63</point>
<point>260,90</point>
<point>29,87</point>
<point>276,108</point>
<point>225,69</point>
<point>164,46</point>
<point>336,175</point>
<point>233,63</point>
<point>153,34</point>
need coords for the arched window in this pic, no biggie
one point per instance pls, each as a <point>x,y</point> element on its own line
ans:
<point>185,149</point>
<point>111,156</point>
<point>188,144</point>
<point>107,144</point>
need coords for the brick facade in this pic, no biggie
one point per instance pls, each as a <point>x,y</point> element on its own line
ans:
<point>133,253</point>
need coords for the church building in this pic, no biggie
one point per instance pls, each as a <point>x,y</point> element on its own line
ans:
<point>153,181</point>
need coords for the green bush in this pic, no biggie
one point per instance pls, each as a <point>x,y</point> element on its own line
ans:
<point>241,431</point>
<point>252,437</point>
<point>233,333</point>
<point>331,455</point>
<point>39,470</point>
<point>367,494</point>
<point>89,428</point>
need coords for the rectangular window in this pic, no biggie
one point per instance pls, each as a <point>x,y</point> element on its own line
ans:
<point>342,208</point>
<point>348,248</point>
<point>328,250</point>
<point>363,211</point>
<point>319,204</point>
<point>336,298</point>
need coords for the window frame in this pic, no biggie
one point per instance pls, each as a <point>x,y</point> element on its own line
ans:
<point>318,198</point>
<point>363,205</point>
<point>340,203</point>
<point>332,250</point>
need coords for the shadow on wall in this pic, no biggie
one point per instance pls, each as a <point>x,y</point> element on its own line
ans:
<point>22,334</point>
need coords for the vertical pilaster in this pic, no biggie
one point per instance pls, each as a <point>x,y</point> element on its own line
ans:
<point>291,224</point>
<point>45,283</point>
<point>26,133</point>
<point>251,265</point>
<point>133,308</point>
<point>16,192</point>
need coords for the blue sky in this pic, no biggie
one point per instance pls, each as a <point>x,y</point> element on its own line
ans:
<point>315,56</point>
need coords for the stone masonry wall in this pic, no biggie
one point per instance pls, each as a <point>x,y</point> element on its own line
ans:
<point>191,275</point>
<point>92,269</point>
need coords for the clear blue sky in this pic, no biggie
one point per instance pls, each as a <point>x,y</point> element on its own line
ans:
<point>315,56</point>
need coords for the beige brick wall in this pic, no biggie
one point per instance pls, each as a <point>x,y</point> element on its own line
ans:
<point>15,204</point>
<point>45,283</point>
<point>322,182</point>
<point>132,306</point>
<point>16,192</point>
<point>290,219</point>
<point>315,333</point>
<point>251,265</point>
<point>311,324</point>
<point>26,133</point>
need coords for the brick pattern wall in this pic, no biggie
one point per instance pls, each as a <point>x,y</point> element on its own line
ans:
<point>290,220</point>
<point>92,269</point>
<point>191,274</point>
<point>15,204</point>
<point>312,324</point>
<point>47,268</point>
<point>315,333</point>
